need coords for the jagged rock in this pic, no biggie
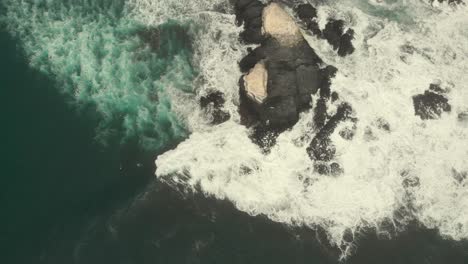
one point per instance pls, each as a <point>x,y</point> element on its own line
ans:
<point>306,12</point>
<point>280,26</point>
<point>320,113</point>
<point>340,40</point>
<point>249,61</point>
<point>219,116</point>
<point>334,97</point>
<point>327,74</point>
<point>216,98</point>
<point>343,113</point>
<point>249,13</point>
<point>430,105</point>
<point>252,35</point>
<point>322,148</point>
<point>308,15</point>
<point>255,83</point>
<point>293,72</point>
<point>293,56</point>
<point>436,88</point>
<point>212,104</point>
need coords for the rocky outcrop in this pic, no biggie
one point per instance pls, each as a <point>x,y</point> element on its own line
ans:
<point>213,104</point>
<point>334,31</point>
<point>340,39</point>
<point>280,77</point>
<point>281,74</point>
<point>280,26</point>
<point>249,13</point>
<point>255,83</point>
<point>431,104</point>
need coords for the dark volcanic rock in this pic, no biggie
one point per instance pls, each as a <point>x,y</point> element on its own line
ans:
<point>252,35</point>
<point>249,13</point>
<point>322,148</point>
<point>249,61</point>
<point>340,40</point>
<point>308,14</point>
<point>216,98</point>
<point>294,56</point>
<point>293,73</point>
<point>280,111</point>
<point>320,114</point>
<point>212,104</point>
<point>430,105</point>
<point>308,79</point>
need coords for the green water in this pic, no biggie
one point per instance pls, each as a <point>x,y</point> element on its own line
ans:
<point>103,62</point>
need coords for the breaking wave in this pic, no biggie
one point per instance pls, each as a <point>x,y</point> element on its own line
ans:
<point>100,58</point>
<point>414,171</point>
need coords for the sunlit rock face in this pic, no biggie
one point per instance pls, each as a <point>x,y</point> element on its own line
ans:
<point>278,24</point>
<point>255,82</point>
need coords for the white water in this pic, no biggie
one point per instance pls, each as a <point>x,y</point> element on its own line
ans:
<point>217,50</point>
<point>379,80</point>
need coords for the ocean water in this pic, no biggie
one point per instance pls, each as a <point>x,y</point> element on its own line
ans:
<point>401,48</point>
<point>96,91</point>
<point>100,59</point>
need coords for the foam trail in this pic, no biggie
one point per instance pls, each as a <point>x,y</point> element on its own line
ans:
<point>416,169</point>
<point>217,51</point>
<point>94,52</point>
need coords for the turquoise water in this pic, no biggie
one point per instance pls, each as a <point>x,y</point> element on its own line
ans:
<point>102,61</point>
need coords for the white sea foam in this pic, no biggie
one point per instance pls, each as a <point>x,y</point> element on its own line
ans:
<point>418,165</point>
<point>217,51</point>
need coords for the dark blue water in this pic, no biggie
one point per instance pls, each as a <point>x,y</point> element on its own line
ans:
<point>67,199</point>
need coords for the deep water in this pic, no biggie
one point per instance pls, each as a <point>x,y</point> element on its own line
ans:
<point>55,176</point>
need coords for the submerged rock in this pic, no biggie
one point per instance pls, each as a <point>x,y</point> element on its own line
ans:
<point>431,104</point>
<point>463,117</point>
<point>212,104</point>
<point>322,148</point>
<point>451,2</point>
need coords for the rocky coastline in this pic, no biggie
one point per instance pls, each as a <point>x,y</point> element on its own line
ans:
<point>289,74</point>
<point>283,76</point>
